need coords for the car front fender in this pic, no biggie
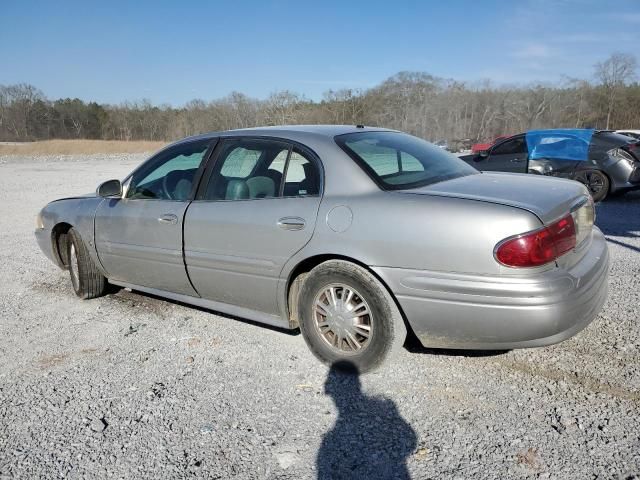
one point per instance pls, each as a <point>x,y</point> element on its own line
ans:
<point>60,215</point>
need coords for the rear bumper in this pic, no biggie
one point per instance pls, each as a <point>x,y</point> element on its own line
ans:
<point>624,177</point>
<point>500,312</point>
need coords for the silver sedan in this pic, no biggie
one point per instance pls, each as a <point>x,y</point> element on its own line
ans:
<point>354,235</point>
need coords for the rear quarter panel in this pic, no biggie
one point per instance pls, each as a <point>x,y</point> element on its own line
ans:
<point>425,232</point>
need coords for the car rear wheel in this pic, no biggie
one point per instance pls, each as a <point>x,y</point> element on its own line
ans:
<point>597,182</point>
<point>346,314</point>
<point>86,279</point>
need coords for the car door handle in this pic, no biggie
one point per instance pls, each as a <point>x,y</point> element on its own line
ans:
<point>516,160</point>
<point>168,218</point>
<point>291,223</point>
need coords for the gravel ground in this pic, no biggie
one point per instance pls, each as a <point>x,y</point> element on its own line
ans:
<point>132,386</point>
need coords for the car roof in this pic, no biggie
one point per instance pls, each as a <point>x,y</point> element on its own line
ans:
<point>326,130</point>
<point>292,132</point>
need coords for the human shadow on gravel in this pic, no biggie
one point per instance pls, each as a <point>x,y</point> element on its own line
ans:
<point>370,439</point>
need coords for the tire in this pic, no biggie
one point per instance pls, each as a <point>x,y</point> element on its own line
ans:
<point>86,279</point>
<point>364,341</point>
<point>597,182</point>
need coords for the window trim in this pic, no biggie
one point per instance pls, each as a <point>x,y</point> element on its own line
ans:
<point>155,159</point>
<point>509,139</point>
<point>284,172</point>
<point>215,158</point>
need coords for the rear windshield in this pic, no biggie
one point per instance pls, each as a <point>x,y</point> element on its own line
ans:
<point>397,161</point>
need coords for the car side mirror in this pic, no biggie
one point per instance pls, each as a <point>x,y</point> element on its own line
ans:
<point>110,188</point>
<point>484,154</point>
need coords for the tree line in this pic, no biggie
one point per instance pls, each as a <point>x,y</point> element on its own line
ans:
<point>416,102</point>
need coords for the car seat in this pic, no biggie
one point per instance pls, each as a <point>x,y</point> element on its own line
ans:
<point>261,187</point>
<point>177,184</point>
<point>237,189</point>
<point>182,190</point>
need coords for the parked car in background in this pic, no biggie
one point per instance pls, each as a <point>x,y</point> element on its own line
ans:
<point>461,145</point>
<point>630,133</point>
<point>442,144</point>
<point>601,160</point>
<point>352,234</point>
<point>633,147</point>
<point>481,147</point>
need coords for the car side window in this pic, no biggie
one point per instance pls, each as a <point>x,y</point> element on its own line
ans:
<point>303,177</point>
<point>247,169</point>
<point>511,147</point>
<point>170,175</point>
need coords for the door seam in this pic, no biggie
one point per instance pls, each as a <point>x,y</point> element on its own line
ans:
<point>184,258</point>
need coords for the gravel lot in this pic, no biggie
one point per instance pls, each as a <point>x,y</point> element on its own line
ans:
<point>132,386</point>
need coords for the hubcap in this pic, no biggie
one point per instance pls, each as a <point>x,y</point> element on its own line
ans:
<point>343,318</point>
<point>593,181</point>
<point>73,266</point>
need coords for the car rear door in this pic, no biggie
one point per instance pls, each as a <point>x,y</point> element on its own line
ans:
<point>256,207</point>
<point>507,156</point>
<point>139,237</point>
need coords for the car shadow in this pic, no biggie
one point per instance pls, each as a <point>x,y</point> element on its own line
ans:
<point>122,292</point>
<point>413,345</point>
<point>370,439</point>
<point>619,218</point>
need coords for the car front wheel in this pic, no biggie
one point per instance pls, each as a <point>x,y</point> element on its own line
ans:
<point>86,279</point>
<point>346,314</point>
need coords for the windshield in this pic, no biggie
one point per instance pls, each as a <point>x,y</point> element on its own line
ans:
<point>397,161</point>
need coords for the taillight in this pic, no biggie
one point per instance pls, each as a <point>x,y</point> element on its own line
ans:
<point>538,247</point>
<point>618,154</point>
<point>564,235</point>
<point>583,219</point>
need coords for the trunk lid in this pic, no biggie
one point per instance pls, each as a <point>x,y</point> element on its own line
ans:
<point>546,197</point>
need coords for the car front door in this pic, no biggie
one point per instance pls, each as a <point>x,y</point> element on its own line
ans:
<point>507,156</point>
<point>257,206</point>
<point>139,236</point>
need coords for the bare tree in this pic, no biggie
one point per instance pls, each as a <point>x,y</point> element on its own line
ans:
<point>429,107</point>
<point>613,74</point>
<point>281,107</point>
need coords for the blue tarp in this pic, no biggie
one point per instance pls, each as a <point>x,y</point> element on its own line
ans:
<point>559,143</point>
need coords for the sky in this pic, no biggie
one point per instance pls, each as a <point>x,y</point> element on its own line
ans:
<point>171,52</point>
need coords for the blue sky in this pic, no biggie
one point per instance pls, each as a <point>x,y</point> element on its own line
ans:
<point>171,52</point>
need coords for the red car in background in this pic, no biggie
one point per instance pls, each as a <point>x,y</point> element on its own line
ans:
<point>481,147</point>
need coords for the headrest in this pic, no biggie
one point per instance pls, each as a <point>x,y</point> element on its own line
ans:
<point>237,190</point>
<point>182,190</point>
